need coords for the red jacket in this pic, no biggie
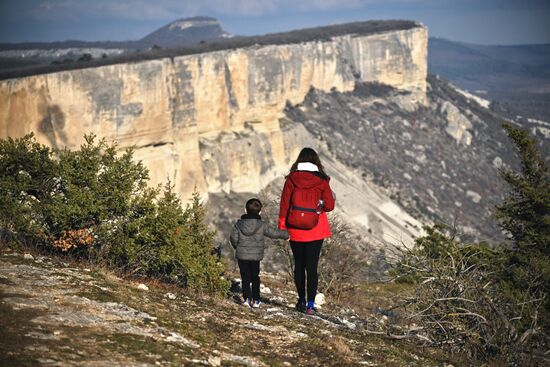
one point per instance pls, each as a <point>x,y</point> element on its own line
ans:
<point>308,180</point>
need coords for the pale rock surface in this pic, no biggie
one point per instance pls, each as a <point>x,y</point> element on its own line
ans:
<point>481,101</point>
<point>457,124</point>
<point>476,198</point>
<point>175,111</point>
<point>142,287</point>
<point>264,289</point>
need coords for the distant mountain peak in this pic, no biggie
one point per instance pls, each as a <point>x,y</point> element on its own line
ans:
<point>187,31</point>
<point>185,23</point>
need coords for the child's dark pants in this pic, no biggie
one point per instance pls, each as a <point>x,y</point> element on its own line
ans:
<point>250,273</point>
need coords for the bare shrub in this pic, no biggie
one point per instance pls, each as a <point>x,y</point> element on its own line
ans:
<point>460,302</point>
<point>340,263</point>
<point>73,239</point>
<point>282,253</point>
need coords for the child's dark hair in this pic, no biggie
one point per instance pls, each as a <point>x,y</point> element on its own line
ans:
<point>253,206</point>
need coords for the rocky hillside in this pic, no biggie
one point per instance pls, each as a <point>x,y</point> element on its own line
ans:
<point>55,313</point>
<point>439,160</point>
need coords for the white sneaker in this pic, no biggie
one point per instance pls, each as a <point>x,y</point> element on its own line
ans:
<point>256,304</point>
<point>246,303</point>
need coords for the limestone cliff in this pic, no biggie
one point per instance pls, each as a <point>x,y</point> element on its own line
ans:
<point>178,112</point>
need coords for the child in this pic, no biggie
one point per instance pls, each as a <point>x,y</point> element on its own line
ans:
<point>247,237</point>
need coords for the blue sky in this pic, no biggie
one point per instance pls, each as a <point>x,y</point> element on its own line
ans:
<point>475,21</point>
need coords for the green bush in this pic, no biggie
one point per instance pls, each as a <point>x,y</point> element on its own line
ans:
<point>95,187</point>
<point>161,239</point>
<point>28,176</point>
<point>525,212</point>
<point>95,204</point>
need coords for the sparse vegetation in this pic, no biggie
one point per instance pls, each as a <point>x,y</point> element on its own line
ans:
<point>491,303</point>
<point>85,57</point>
<point>95,204</point>
<point>340,263</point>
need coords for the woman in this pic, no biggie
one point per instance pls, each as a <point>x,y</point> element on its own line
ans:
<point>308,180</point>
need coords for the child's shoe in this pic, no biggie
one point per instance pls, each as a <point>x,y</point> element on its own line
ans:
<point>256,304</point>
<point>246,303</point>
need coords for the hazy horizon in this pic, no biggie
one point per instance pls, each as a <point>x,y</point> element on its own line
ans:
<point>489,22</point>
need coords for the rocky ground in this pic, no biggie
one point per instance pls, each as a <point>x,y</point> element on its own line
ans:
<point>54,313</point>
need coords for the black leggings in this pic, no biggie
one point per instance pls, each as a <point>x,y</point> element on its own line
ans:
<point>306,259</point>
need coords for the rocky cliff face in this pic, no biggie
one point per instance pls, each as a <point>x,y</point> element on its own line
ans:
<point>209,121</point>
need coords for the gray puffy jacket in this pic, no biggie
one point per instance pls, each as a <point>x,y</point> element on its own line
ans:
<point>247,237</point>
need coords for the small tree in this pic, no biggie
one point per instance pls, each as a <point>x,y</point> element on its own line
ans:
<point>525,214</point>
<point>96,186</point>
<point>204,264</point>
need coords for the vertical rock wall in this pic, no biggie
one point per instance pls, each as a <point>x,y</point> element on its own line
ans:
<point>211,120</point>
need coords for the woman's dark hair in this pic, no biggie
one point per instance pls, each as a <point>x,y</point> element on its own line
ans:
<point>309,155</point>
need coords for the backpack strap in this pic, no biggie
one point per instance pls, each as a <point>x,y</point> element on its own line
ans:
<point>293,207</point>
